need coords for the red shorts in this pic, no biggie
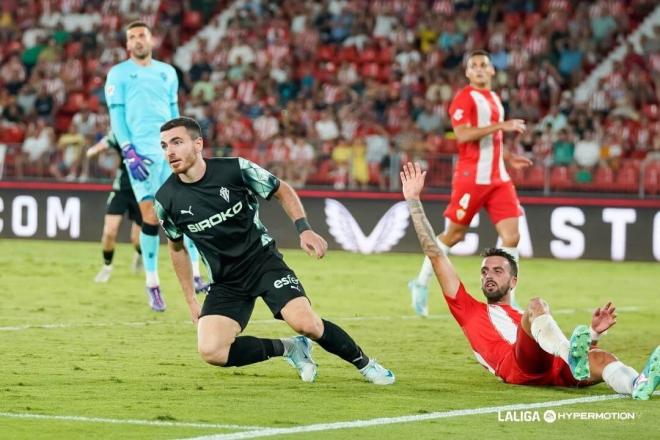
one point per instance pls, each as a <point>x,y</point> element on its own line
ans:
<point>467,198</point>
<point>529,364</point>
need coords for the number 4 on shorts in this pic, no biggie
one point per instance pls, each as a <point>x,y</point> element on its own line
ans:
<point>464,201</point>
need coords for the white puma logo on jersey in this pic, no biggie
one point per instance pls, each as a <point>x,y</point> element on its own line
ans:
<point>189,211</point>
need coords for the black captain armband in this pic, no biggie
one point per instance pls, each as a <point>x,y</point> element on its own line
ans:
<point>302,225</point>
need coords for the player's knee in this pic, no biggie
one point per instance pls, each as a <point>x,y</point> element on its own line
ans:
<point>310,326</point>
<point>510,238</point>
<point>454,236</point>
<point>214,355</point>
<point>537,306</point>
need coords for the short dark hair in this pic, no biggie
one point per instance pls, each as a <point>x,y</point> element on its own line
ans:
<point>477,52</point>
<point>136,24</point>
<point>496,252</point>
<point>193,128</point>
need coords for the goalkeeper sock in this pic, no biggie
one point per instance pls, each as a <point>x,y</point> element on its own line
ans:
<point>426,272</point>
<point>338,342</point>
<point>248,350</point>
<point>549,336</point>
<point>619,377</point>
<point>149,243</point>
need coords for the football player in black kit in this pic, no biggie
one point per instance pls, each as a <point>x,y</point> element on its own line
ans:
<point>215,203</point>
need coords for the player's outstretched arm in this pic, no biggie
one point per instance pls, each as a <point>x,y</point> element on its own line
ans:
<point>97,148</point>
<point>183,270</point>
<point>412,178</point>
<point>310,241</point>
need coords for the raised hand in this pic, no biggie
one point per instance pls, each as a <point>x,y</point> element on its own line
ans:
<point>137,164</point>
<point>412,180</point>
<point>603,318</point>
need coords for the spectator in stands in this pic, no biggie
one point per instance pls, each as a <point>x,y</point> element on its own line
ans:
<point>70,155</point>
<point>562,149</point>
<point>301,157</point>
<point>13,74</point>
<point>587,155</point>
<point>429,121</point>
<point>326,127</point>
<point>35,152</point>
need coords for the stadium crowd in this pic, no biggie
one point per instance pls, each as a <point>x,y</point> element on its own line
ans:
<point>339,92</point>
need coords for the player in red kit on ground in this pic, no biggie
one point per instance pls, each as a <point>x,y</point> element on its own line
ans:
<point>524,348</point>
<point>480,178</point>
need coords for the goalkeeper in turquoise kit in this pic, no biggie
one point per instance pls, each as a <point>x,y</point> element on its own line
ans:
<point>141,95</point>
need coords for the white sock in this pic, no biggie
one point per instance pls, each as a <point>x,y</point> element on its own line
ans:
<point>426,272</point>
<point>107,266</point>
<point>549,336</point>
<point>288,345</point>
<point>195,268</point>
<point>152,279</point>
<point>620,377</point>
<point>513,251</point>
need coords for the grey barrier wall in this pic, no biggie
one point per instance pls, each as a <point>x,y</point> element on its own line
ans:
<point>566,228</point>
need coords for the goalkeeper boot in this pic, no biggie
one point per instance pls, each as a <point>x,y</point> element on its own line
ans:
<point>649,379</point>
<point>578,352</point>
<point>156,301</point>
<point>299,356</point>
<point>200,285</point>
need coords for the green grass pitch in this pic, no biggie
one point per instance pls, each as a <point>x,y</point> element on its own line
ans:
<point>72,348</point>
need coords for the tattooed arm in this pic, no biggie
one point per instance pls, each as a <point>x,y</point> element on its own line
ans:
<point>412,179</point>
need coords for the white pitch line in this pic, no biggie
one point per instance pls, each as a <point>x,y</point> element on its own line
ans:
<point>130,421</point>
<point>407,419</point>
<point>62,325</point>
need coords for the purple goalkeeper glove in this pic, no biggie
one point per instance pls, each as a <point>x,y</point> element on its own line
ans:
<point>137,164</point>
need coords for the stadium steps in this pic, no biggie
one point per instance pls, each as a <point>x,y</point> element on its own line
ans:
<point>588,86</point>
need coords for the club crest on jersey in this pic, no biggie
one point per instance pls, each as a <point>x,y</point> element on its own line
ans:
<point>224,193</point>
<point>163,76</point>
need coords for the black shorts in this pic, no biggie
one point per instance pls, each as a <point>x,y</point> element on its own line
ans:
<point>276,283</point>
<point>121,202</point>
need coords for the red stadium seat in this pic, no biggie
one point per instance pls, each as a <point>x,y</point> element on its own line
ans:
<point>74,101</point>
<point>603,178</point>
<point>652,179</point>
<point>370,70</point>
<point>534,177</point>
<point>348,53</point>
<point>560,179</point>
<point>326,53</point>
<point>192,20</point>
<point>386,55</point>
<point>627,180</point>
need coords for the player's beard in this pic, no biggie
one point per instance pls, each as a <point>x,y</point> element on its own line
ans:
<point>495,296</point>
<point>142,53</point>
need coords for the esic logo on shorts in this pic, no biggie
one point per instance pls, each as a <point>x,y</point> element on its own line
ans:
<point>216,219</point>
<point>286,281</point>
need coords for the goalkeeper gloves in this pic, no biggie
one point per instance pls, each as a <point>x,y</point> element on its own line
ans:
<point>136,163</point>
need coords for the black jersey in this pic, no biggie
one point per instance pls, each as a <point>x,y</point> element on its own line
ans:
<point>220,214</point>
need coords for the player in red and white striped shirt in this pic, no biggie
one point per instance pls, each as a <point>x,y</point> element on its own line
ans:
<point>480,178</point>
<point>524,348</point>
